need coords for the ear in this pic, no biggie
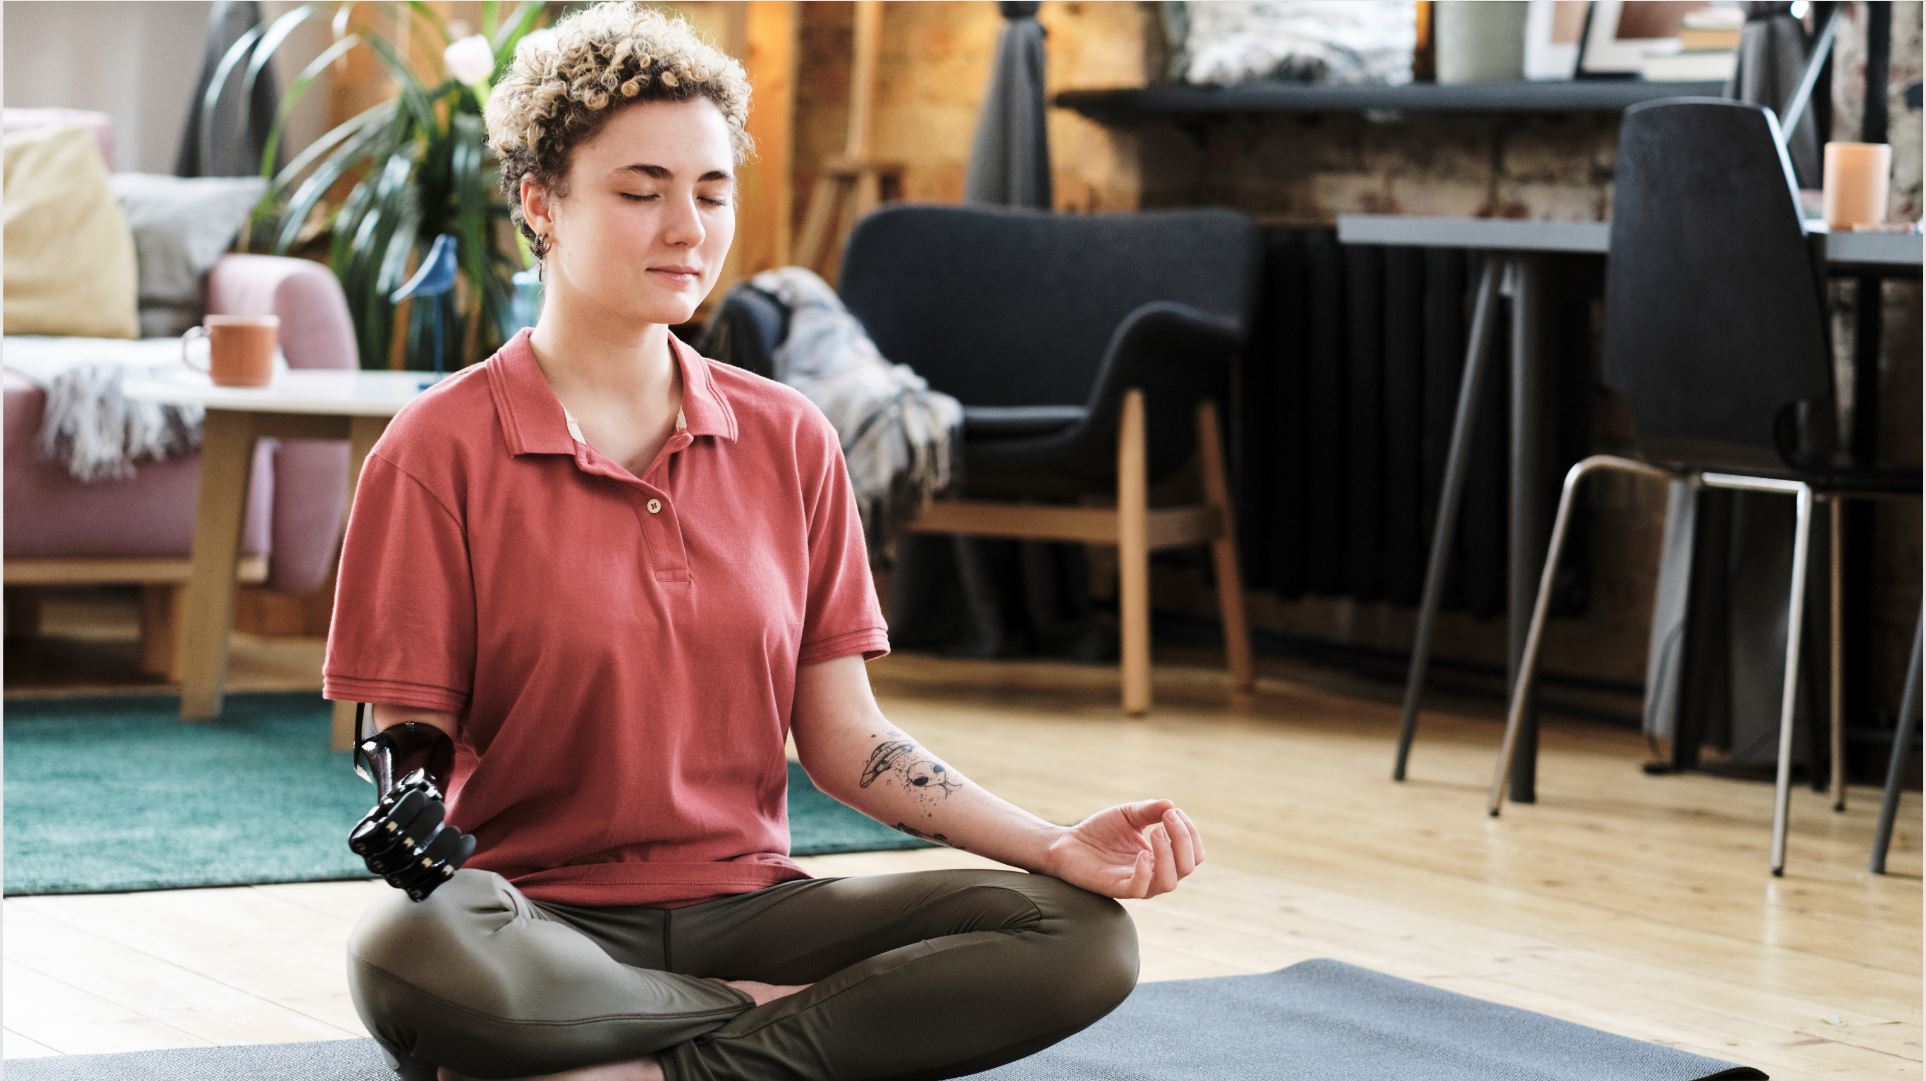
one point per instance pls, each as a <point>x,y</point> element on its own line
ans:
<point>536,208</point>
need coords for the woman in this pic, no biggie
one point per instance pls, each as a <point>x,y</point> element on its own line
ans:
<point>619,575</point>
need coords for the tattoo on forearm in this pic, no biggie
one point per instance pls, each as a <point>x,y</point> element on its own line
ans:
<point>936,837</point>
<point>921,836</point>
<point>919,771</point>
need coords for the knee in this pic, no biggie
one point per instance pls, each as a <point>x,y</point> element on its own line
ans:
<point>397,935</point>
<point>405,956</point>
<point>1099,943</point>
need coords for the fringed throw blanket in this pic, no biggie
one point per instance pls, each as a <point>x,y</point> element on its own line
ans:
<point>898,435</point>
<point>89,427</point>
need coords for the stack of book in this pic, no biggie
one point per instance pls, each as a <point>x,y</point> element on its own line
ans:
<point>1707,49</point>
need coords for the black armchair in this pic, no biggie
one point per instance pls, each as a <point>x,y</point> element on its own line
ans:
<point>1089,353</point>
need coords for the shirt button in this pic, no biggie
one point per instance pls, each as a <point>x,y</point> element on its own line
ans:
<point>655,506</point>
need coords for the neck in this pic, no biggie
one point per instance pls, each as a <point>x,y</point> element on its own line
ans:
<point>591,354</point>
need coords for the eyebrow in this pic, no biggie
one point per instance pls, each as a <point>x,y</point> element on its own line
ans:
<point>658,172</point>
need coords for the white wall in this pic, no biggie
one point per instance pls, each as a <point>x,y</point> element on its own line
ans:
<point>137,61</point>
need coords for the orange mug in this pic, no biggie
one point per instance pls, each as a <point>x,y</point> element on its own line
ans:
<point>240,349</point>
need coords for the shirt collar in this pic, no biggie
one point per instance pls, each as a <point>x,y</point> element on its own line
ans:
<point>534,421</point>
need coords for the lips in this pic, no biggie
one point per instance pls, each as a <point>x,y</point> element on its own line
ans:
<point>677,274</point>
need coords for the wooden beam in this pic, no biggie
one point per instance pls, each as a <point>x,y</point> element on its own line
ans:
<point>117,571</point>
<point>1171,527</point>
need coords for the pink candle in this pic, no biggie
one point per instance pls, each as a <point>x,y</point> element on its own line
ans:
<point>1856,181</point>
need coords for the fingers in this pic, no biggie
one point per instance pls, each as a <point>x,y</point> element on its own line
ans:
<point>1182,850</point>
<point>1196,838</point>
<point>1145,813</point>
<point>1164,878</point>
<point>1140,875</point>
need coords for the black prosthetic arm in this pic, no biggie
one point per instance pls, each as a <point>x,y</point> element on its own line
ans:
<point>405,839</point>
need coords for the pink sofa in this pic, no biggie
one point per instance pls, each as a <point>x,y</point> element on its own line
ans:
<point>297,496</point>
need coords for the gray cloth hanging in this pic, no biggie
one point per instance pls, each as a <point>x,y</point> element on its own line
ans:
<point>975,596</point>
<point>1772,59</point>
<point>1010,161</point>
<point>240,129</point>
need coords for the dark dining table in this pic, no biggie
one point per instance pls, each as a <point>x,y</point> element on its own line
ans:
<point>1518,253</point>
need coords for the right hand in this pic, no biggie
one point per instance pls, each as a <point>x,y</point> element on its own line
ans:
<point>406,840</point>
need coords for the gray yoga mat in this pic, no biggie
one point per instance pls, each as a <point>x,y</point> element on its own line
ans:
<point>1317,1020</point>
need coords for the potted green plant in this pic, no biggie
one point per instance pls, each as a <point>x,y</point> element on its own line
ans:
<point>420,167</point>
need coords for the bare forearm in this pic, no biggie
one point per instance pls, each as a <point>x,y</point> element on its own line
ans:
<point>888,776</point>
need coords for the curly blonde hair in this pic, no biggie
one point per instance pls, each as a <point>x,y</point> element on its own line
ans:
<point>565,84</point>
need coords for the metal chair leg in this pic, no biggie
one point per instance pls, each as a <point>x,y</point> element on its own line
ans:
<point>1836,650</point>
<point>1902,749</point>
<point>1528,662</point>
<point>1795,616</point>
<point>1445,529</point>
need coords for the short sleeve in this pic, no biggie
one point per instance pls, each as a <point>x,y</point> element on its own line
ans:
<point>403,630</point>
<point>841,614</point>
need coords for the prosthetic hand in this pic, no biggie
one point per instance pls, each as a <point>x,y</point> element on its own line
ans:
<point>404,839</point>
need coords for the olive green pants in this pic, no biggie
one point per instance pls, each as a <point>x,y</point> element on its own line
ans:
<point>931,974</point>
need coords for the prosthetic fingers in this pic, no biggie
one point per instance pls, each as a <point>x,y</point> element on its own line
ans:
<point>404,838</point>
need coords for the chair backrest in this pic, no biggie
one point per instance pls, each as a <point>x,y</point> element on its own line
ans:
<point>1715,325</point>
<point>1000,306</point>
<point>749,325</point>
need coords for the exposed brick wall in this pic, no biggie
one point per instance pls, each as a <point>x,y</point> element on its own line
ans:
<point>1308,169</point>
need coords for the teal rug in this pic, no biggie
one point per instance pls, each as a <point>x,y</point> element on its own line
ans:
<point>110,794</point>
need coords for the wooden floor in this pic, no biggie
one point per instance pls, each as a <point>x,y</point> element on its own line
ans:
<point>1640,905</point>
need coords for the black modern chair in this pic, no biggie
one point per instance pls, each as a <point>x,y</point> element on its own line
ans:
<point>1089,352</point>
<point>1716,336</point>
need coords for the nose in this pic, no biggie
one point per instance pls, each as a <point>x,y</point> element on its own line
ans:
<point>682,225</point>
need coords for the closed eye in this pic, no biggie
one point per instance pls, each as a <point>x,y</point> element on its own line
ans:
<point>633,198</point>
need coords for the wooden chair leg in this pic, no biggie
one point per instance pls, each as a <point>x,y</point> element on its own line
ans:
<point>163,609</point>
<point>812,246</point>
<point>1133,553</point>
<point>1223,550</point>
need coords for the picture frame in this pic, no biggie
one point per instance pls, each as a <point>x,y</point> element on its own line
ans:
<point>1620,33</point>
<point>1554,30</point>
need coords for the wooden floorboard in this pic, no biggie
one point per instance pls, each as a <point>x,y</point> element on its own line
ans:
<point>1634,903</point>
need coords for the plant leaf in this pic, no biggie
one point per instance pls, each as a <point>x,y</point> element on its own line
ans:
<point>520,22</point>
<point>413,97</point>
<point>277,33</point>
<point>297,90</point>
<point>365,144</point>
<point>434,19</point>
<point>211,99</point>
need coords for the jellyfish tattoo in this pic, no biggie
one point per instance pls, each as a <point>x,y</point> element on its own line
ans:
<point>919,772</point>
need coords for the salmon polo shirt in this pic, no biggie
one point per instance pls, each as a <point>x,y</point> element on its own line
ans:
<point>620,651</point>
